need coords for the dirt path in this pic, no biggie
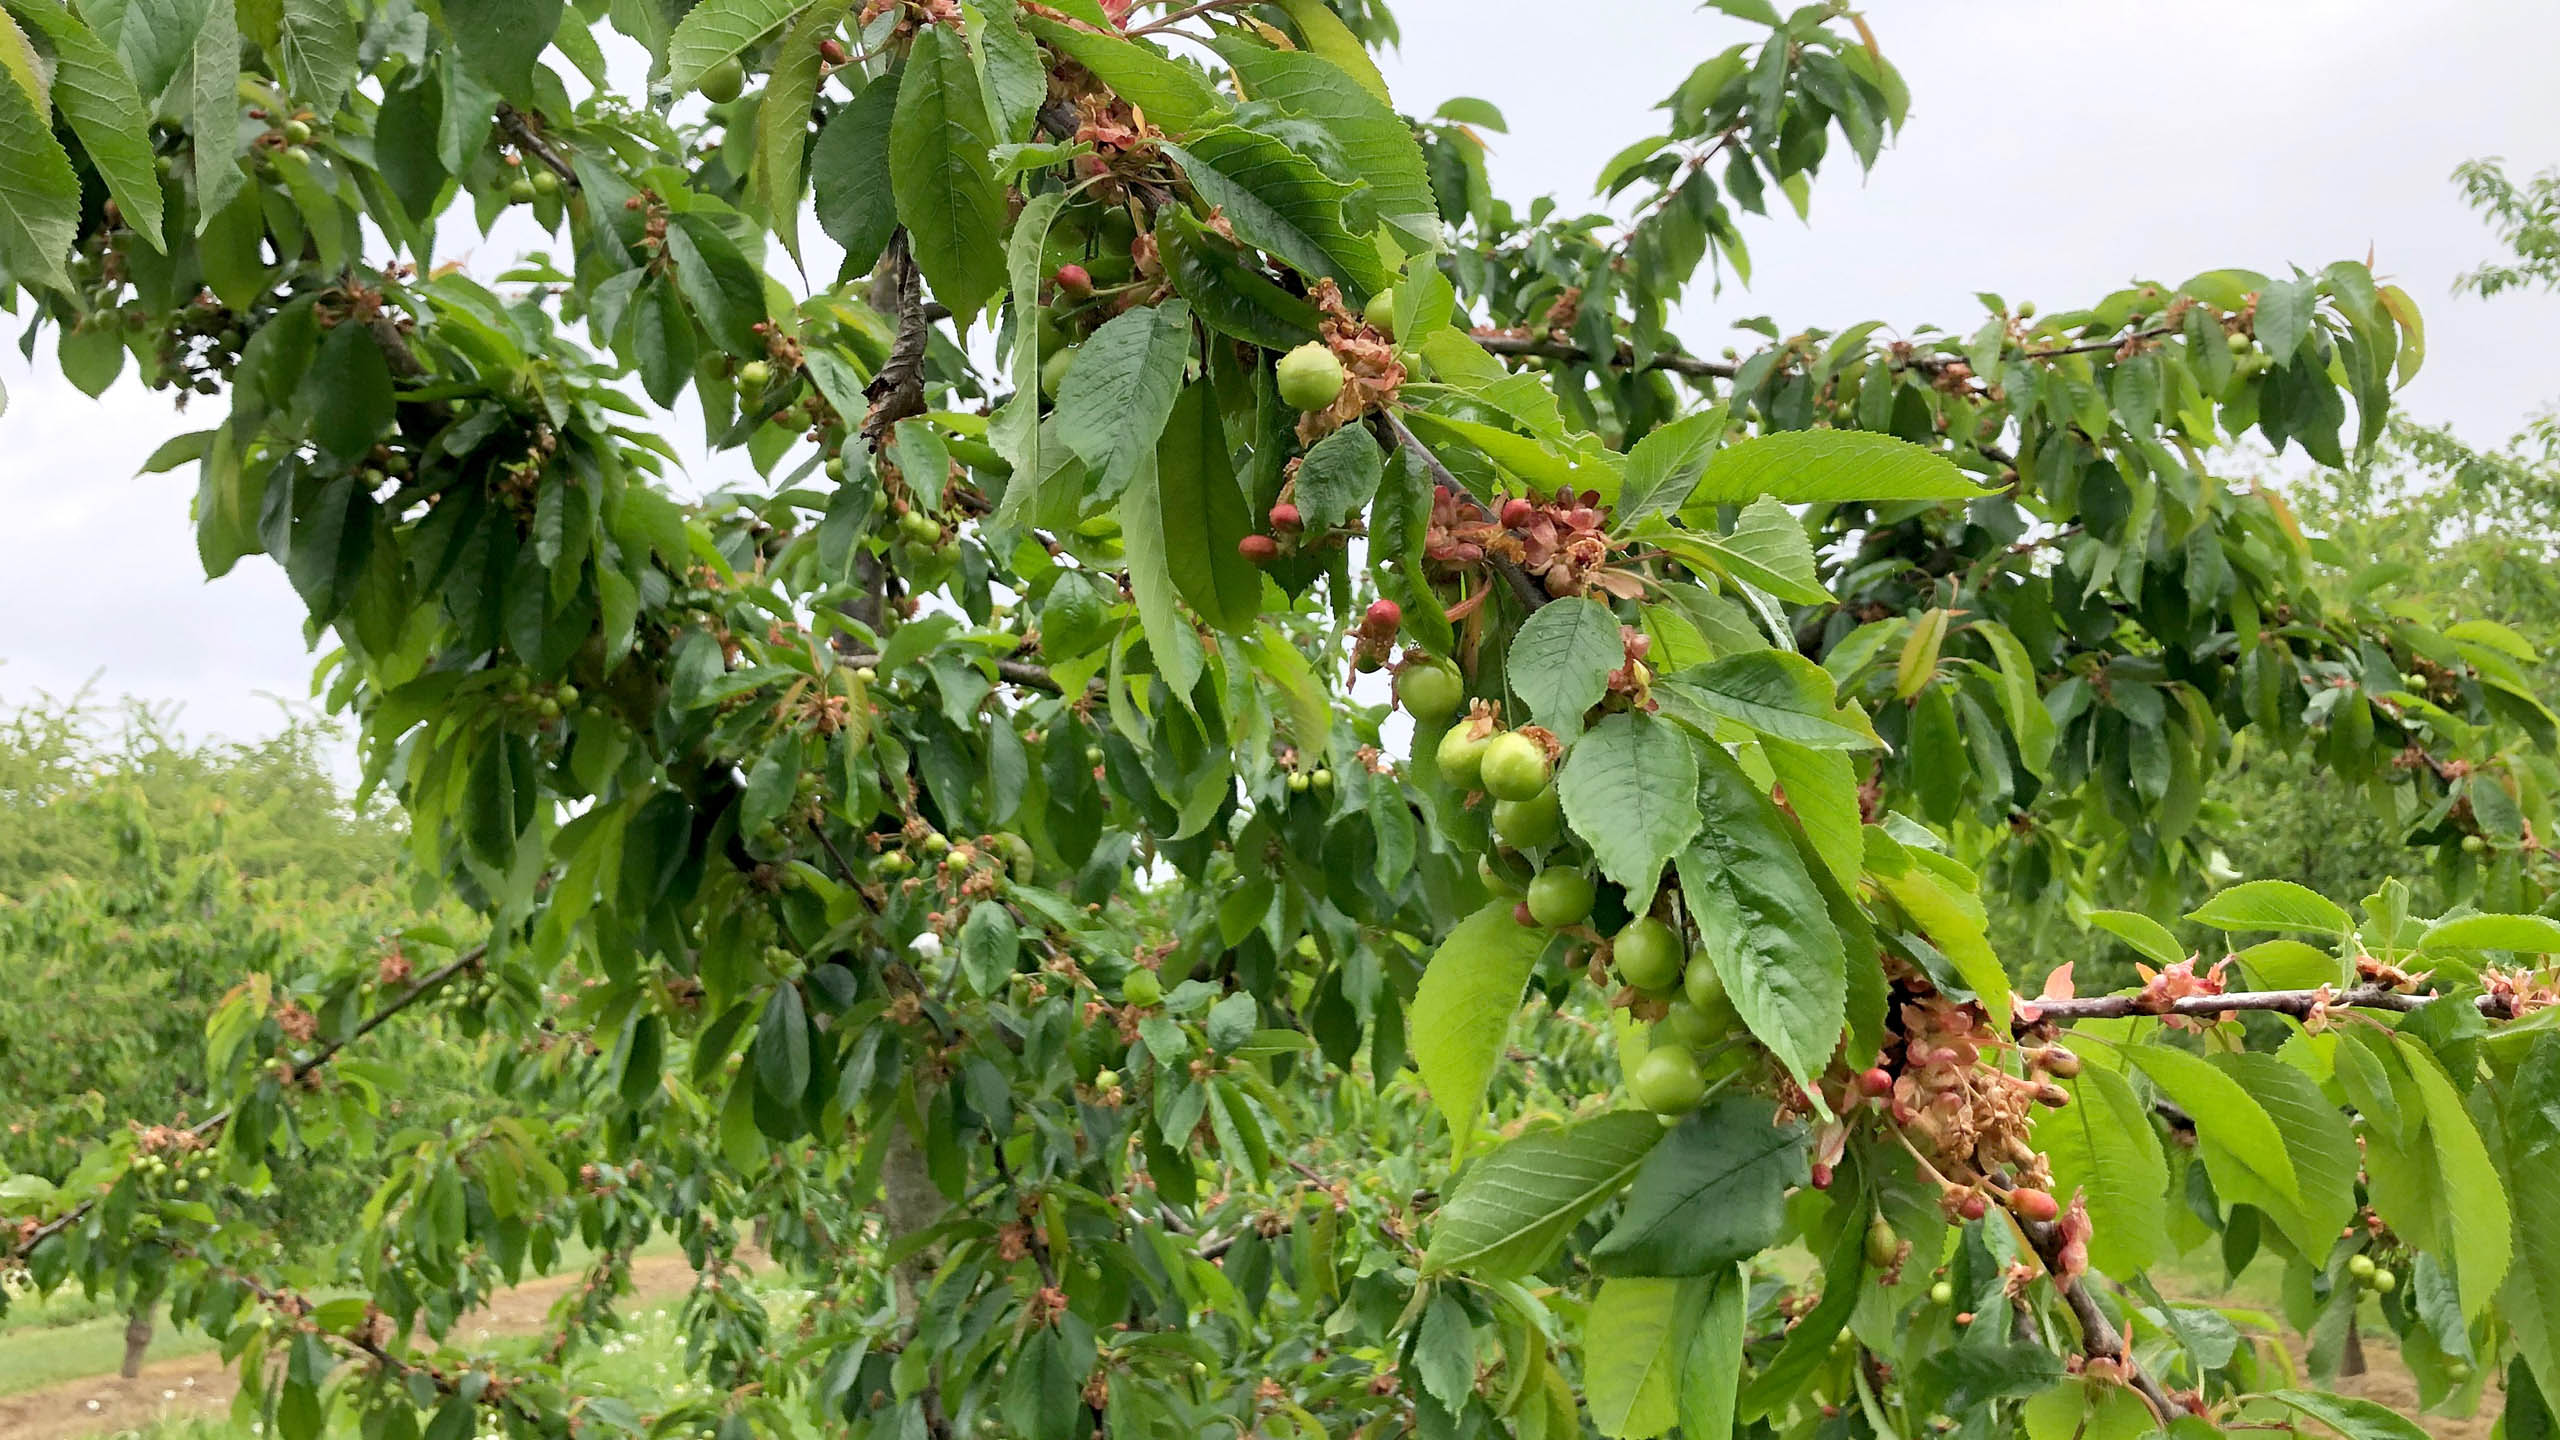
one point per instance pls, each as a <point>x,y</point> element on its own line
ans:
<point>201,1385</point>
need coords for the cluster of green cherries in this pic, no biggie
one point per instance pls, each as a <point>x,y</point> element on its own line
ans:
<point>1690,1044</point>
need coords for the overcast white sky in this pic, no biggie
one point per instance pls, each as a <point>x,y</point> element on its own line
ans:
<point>2055,151</point>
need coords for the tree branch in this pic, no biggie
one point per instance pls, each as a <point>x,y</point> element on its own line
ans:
<point>529,141</point>
<point>1522,587</point>
<point>2098,1337</point>
<point>2297,1003</point>
<point>897,392</point>
<point>213,1123</point>
<point>1543,347</point>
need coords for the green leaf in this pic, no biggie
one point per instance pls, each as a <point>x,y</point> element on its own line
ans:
<point>1801,467</point>
<point>1015,431</point>
<point>2351,1416</point>
<point>945,185</point>
<point>1712,1193</point>
<point>717,30</point>
<point>2243,1151</point>
<point>1444,1351</point>
<point>1175,96</point>
<point>1663,468</point>
<point>1766,551</point>
<point>1561,660</point>
<point>501,39</point>
<point>1780,1381</point>
<point>727,292</point>
<point>1339,477</point>
<point>1121,391</point>
<point>2473,1202</point>
<point>1711,1368</point>
<point>2525,934</point>
<point>316,39</point>
<point>1631,1346</point>
<point>1763,921</point>
<point>1942,898</point>
<point>1229,295</point>
<point>2532,1136</point>
<point>1821,787</point>
<point>1376,144</point>
<point>95,94</point>
<point>1517,1202</point>
<point>1326,35</point>
<point>782,1045</point>
<point>1277,200</point>
<point>1204,515</point>
<point>1774,692</point>
<point>213,65</point>
<point>2272,905</point>
<point>1629,788</point>
<point>782,120</point>
<point>2283,316</point>
<point>1169,637</point>
<point>2102,1146</point>
<point>1463,1010</point>
<point>348,390</point>
<point>849,175</point>
<point>2147,936</point>
<point>2318,1140</point>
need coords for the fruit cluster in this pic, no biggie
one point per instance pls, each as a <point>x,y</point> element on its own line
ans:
<point>1693,1026</point>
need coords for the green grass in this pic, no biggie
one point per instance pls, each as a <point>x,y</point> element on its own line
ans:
<point>32,1358</point>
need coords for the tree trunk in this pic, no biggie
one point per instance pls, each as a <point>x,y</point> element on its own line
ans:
<point>137,1339</point>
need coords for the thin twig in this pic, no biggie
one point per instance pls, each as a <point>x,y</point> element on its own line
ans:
<point>1547,347</point>
<point>1187,12</point>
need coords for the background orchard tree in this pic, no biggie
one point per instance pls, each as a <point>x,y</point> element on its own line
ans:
<point>963,845</point>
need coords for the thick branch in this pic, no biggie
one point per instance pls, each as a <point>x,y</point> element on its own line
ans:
<point>2098,1337</point>
<point>2299,1004</point>
<point>1523,588</point>
<point>528,140</point>
<point>211,1124</point>
<point>897,392</point>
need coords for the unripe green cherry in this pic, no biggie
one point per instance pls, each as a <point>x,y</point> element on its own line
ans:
<point>1705,989</point>
<point>1667,1081</point>
<point>1322,779</point>
<point>1685,1024</point>
<point>1105,1079</point>
<point>1648,954</point>
<point>1561,897</point>
<point>937,843</point>
<point>1942,1293</point>
<point>2384,1282</point>
<point>754,375</point>
<point>1882,1244</point>
<point>919,527</point>
<point>1310,377</point>
<point>1142,988</point>
<point>1531,824</point>
<point>1381,312</point>
<point>1298,782</point>
<point>723,82</point>
<point>1431,690</point>
<point>1462,756</point>
<point>1500,876</point>
<point>2360,1266</point>
<point>1515,767</point>
<point>1053,371</point>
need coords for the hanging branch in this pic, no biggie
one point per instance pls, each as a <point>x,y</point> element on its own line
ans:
<point>529,140</point>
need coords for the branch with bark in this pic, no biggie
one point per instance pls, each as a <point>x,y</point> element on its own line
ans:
<point>897,392</point>
<point>525,134</point>
<point>2300,1004</point>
